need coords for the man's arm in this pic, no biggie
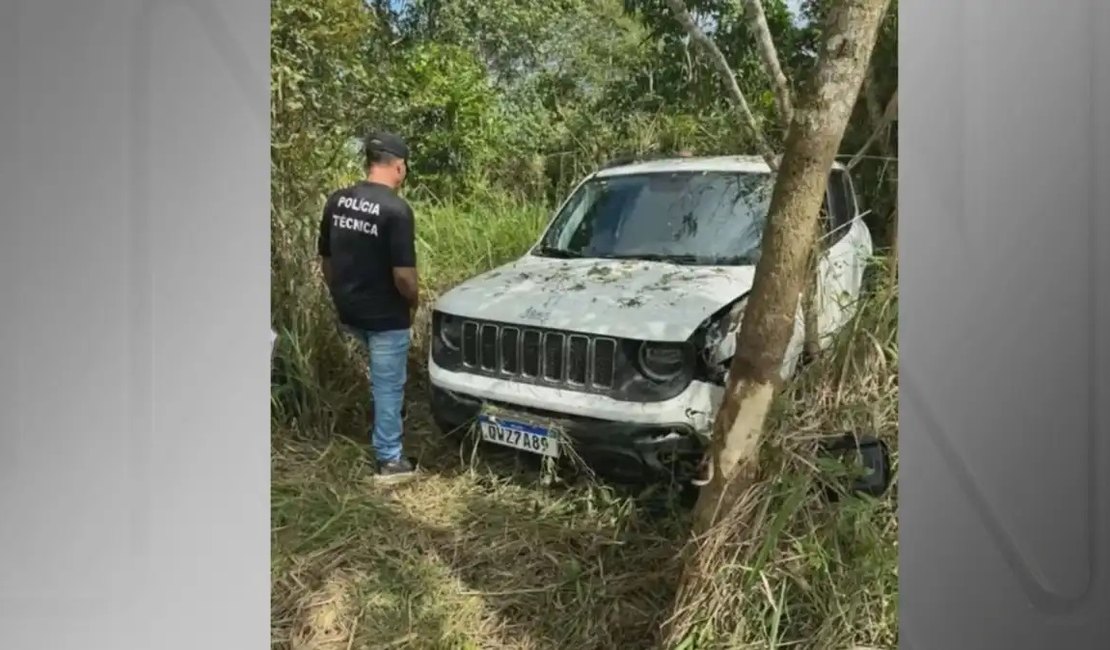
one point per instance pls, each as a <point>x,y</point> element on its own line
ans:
<point>408,284</point>
<point>402,250</point>
<point>323,244</point>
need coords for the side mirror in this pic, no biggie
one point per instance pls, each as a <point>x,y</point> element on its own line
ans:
<point>870,452</point>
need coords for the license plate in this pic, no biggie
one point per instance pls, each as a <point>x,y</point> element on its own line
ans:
<point>532,438</point>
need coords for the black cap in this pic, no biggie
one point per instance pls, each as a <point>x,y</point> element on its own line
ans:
<point>382,142</point>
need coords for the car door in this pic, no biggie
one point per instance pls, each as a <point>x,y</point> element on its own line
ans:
<point>844,252</point>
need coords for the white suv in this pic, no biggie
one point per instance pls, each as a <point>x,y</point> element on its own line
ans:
<point>612,335</point>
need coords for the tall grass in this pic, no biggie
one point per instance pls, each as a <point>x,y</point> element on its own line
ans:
<point>484,555</point>
<point>459,240</point>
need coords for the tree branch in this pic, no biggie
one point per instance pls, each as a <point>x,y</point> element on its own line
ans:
<point>867,90</point>
<point>888,116</point>
<point>721,63</point>
<point>765,44</point>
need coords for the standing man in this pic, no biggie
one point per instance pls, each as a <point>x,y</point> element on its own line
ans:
<point>368,256</point>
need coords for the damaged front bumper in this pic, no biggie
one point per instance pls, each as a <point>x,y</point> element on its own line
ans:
<point>623,451</point>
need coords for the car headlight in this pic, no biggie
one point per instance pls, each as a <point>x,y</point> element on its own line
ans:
<point>662,362</point>
<point>450,332</point>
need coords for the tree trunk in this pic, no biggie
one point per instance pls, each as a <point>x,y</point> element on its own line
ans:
<point>871,97</point>
<point>769,318</point>
<point>881,125</point>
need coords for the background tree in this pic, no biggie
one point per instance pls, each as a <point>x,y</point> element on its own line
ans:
<point>768,320</point>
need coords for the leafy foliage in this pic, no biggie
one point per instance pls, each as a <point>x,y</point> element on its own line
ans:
<point>526,97</point>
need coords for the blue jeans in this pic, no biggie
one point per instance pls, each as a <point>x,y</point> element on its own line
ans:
<point>389,353</point>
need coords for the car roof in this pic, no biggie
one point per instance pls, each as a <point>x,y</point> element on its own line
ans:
<point>739,164</point>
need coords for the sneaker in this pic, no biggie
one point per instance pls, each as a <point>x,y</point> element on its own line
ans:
<point>395,470</point>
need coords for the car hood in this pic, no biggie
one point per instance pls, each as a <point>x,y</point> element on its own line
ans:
<point>654,301</point>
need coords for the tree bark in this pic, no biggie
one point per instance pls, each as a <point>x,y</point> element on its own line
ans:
<point>765,44</point>
<point>769,320</point>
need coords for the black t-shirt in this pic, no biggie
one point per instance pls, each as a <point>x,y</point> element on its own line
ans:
<point>367,231</point>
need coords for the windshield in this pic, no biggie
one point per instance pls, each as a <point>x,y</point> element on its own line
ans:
<point>688,217</point>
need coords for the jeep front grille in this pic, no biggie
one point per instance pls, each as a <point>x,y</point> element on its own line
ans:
<point>573,361</point>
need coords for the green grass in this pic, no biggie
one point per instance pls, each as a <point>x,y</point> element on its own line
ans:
<point>482,553</point>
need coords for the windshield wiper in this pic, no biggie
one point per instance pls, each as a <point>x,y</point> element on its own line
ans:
<point>657,257</point>
<point>562,253</point>
<point>736,260</point>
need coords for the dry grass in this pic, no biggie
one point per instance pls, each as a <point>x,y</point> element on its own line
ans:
<point>480,553</point>
<point>459,558</point>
